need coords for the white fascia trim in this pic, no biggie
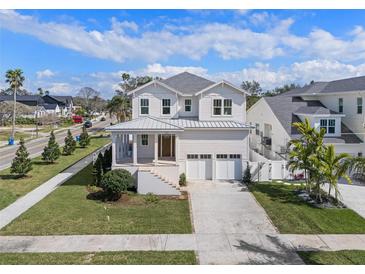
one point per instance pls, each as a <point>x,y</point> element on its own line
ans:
<point>223,82</point>
<point>320,115</point>
<point>154,82</point>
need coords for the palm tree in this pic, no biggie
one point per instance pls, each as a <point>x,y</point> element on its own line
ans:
<point>15,79</point>
<point>357,165</point>
<point>333,167</point>
<point>120,106</point>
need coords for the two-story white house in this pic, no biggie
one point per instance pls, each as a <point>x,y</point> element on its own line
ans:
<point>336,106</point>
<point>183,124</point>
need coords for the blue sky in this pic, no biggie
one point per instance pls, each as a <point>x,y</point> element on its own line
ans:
<point>64,50</point>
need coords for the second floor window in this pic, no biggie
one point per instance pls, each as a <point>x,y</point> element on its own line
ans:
<point>217,107</point>
<point>359,105</point>
<point>144,104</point>
<point>328,125</point>
<point>187,105</point>
<point>166,105</point>
<point>227,107</point>
<point>340,105</point>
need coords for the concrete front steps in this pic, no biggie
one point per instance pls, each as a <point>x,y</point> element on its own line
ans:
<point>150,181</point>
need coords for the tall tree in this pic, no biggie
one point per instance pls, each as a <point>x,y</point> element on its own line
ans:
<point>87,93</point>
<point>84,138</point>
<point>120,106</point>
<point>52,151</point>
<point>283,89</point>
<point>15,80</point>
<point>255,91</point>
<point>130,83</point>
<point>357,166</point>
<point>70,144</point>
<point>21,164</point>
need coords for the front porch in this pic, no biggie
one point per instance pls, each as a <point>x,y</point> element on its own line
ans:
<point>158,149</point>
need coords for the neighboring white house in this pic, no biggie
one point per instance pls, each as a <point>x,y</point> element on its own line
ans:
<point>183,124</point>
<point>336,106</point>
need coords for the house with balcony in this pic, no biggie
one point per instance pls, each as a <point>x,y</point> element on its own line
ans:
<point>335,106</point>
<point>183,124</point>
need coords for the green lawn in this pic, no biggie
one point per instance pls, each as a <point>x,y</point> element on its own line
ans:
<point>291,215</point>
<point>4,135</point>
<point>344,257</point>
<point>67,211</point>
<point>101,258</point>
<point>12,188</point>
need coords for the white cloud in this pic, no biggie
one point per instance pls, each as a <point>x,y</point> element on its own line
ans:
<point>157,69</point>
<point>47,73</point>
<point>61,88</point>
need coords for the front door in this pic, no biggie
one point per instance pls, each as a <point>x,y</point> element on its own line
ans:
<point>166,145</point>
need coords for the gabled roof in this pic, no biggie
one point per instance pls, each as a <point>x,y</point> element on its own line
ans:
<point>316,110</point>
<point>223,82</point>
<point>65,99</point>
<point>50,106</point>
<point>22,98</point>
<point>187,83</point>
<point>154,82</point>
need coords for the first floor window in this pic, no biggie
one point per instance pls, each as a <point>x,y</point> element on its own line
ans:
<point>144,103</point>
<point>144,140</point>
<point>187,105</point>
<point>257,130</point>
<point>227,107</point>
<point>217,107</point>
<point>166,104</point>
<point>359,105</point>
<point>340,105</point>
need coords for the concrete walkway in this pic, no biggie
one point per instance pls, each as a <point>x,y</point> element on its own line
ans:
<point>21,205</point>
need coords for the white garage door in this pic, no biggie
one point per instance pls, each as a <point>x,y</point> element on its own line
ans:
<point>228,166</point>
<point>199,166</point>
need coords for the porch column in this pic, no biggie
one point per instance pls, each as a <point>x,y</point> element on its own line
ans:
<point>114,150</point>
<point>177,146</point>
<point>134,149</point>
<point>156,149</point>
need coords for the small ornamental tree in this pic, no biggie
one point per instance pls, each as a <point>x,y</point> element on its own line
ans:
<point>84,138</point>
<point>107,160</point>
<point>21,164</point>
<point>247,175</point>
<point>115,182</point>
<point>70,144</point>
<point>98,170</point>
<point>52,151</point>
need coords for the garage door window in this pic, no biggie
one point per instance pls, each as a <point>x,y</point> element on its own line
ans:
<point>234,156</point>
<point>193,156</point>
<point>222,156</point>
<point>205,156</point>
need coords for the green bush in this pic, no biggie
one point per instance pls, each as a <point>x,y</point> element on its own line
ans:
<point>115,182</point>
<point>70,144</point>
<point>98,170</point>
<point>84,138</point>
<point>107,159</point>
<point>182,179</point>
<point>247,175</point>
<point>52,151</point>
<point>24,121</point>
<point>21,164</point>
<point>151,198</point>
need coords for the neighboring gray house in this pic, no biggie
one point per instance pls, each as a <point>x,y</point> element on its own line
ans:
<point>336,106</point>
<point>184,124</point>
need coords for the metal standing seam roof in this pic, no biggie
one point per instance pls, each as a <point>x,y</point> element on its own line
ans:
<point>151,123</point>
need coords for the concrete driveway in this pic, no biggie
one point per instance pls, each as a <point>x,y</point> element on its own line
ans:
<point>353,196</point>
<point>232,228</point>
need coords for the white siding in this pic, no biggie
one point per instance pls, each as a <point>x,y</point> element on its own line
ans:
<point>155,94</point>
<point>145,151</point>
<point>194,107</point>
<point>222,92</point>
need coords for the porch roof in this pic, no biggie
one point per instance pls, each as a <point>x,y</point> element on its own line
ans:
<point>149,123</point>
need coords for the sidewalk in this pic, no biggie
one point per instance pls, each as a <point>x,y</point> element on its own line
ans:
<point>21,205</point>
<point>244,248</point>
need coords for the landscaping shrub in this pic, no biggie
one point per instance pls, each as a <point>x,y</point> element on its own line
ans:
<point>21,164</point>
<point>115,182</point>
<point>247,175</point>
<point>98,170</point>
<point>70,144</point>
<point>182,179</point>
<point>107,159</point>
<point>151,198</point>
<point>84,138</point>
<point>52,151</point>
<point>25,121</point>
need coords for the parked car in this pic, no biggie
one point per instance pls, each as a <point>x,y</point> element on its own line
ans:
<point>88,124</point>
<point>77,119</point>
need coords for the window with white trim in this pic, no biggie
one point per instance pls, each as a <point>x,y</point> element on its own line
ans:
<point>329,125</point>
<point>235,156</point>
<point>222,156</point>
<point>187,105</point>
<point>144,106</point>
<point>359,105</point>
<point>192,156</point>
<point>257,129</point>
<point>340,105</point>
<point>227,110</point>
<point>166,106</point>
<point>205,156</point>
<point>144,139</point>
<point>217,107</point>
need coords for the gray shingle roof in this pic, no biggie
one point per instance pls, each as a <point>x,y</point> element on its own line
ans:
<point>149,123</point>
<point>285,107</point>
<point>187,83</point>
<point>50,106</point>
<point>314,110</point>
